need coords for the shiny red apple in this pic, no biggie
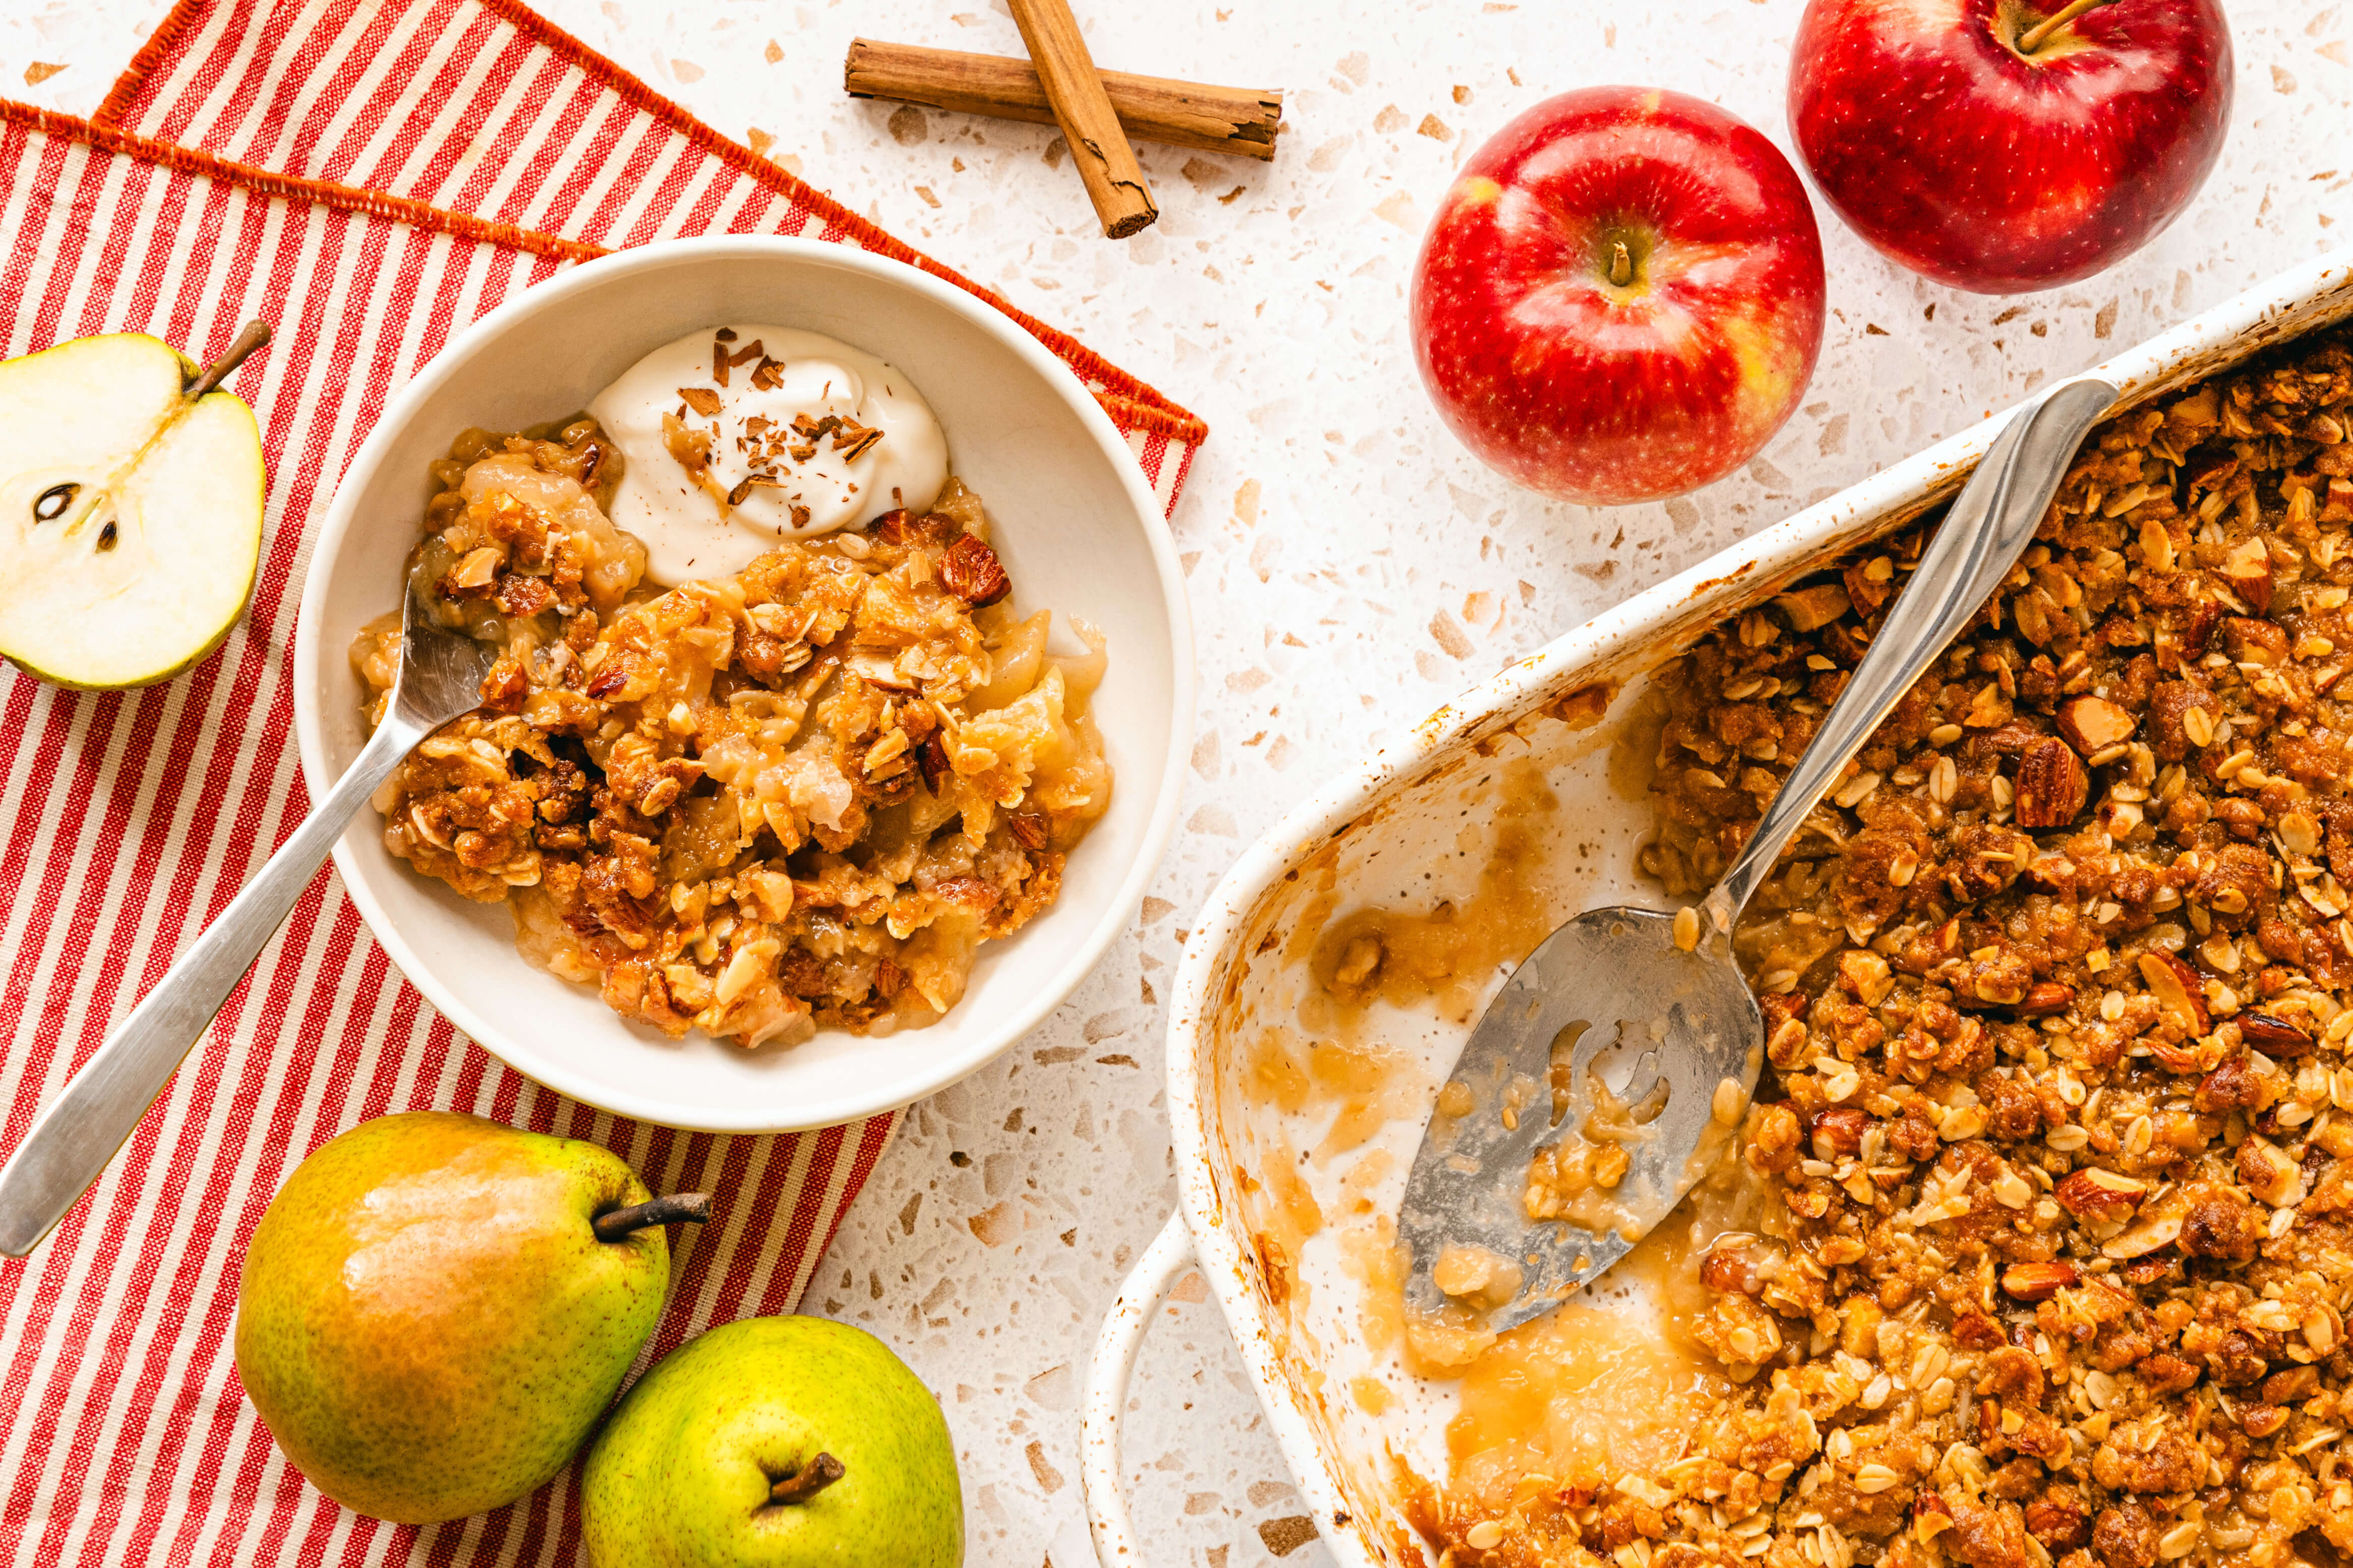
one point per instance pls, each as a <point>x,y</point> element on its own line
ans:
<point>1621,296</point>
<point>1988,146</point>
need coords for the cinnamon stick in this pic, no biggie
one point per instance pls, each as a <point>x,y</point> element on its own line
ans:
<point>1107,164</point>
<point>1240,120</point>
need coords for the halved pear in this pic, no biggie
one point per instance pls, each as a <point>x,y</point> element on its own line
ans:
<point>130,512</point>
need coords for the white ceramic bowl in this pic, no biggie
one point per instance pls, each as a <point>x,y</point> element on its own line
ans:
<point>1078,527</point>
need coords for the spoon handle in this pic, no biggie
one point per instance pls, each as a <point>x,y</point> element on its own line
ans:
<point>1984,532</point>
<point>78,1132</point>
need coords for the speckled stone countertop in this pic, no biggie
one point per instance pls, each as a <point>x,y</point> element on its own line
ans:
<point>1350,567</point>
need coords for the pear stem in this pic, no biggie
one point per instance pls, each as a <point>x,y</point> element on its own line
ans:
<point>1621,264</point>
<point>678,1208</point>
<point>812,1479</point>
<point>254,336</point>
<point>2031,39</point>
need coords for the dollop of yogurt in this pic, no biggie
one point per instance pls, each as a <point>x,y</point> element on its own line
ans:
<point>740,436</point>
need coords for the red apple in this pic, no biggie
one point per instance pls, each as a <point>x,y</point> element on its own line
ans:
<point>1983,146</point>
<point>1621,296</point>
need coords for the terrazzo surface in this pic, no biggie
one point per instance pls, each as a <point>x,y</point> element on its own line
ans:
<point>1349,567</point>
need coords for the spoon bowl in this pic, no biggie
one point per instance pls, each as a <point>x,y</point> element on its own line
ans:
<point>1611,1041</point>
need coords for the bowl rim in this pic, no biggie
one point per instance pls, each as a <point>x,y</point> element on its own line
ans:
<point>552,1072</point>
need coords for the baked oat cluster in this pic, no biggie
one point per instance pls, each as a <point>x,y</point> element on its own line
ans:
<point>2058,983</point>
<point>802,796</point>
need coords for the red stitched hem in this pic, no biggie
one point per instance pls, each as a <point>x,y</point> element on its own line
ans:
<point>1136,403</point>
<point>293,188</point>
<point>160,43</point>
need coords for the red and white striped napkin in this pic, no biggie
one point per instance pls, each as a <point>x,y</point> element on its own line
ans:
<point>127,821</point>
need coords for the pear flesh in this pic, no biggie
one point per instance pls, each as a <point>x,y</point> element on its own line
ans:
<point>775,1443</point>
<point>428,1321</point>
<point>131,515</point>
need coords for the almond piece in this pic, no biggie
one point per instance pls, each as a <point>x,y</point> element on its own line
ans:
<point>2174,986</point>
<point>2273,1036</point>
<point>1839,1130</point>
<point>2147,1236</point>
<point>2037,1281</point>
<point>1866,975</point>
<point>2047,997</point>
<point>2248,570</point>
<point>971,571</point>
<point>2092,725</point>
<point>472,577</point>
<point>1809,609</point>
<point>2099,1198</point>
<point>2051,783</point>
<point>2269,1173</point>
<point>931,761</point>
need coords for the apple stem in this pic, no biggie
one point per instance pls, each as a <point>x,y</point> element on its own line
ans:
<point>678,1208</point>
<point>812,1479</point>
<point>255,334</point>
<point>2033,39</point>
<point>1621,264</point>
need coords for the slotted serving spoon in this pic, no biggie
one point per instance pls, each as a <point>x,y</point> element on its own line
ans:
<point>78,1132</point>
<point>1660,1046</point>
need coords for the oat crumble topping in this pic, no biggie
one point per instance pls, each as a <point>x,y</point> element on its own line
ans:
<point>2056,1241</point>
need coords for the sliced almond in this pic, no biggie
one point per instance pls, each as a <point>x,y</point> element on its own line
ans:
<point>2099,1198</point>
<point>2248,569</point>
<point>1811,608</point>
<point>2092,725</point>
<point>2147,1236</point>
<point>2037,1281</point>
<point>2174,986</point>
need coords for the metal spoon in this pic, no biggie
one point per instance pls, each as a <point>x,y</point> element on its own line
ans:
<point>1660,1046</point>
<point>80,1131</point>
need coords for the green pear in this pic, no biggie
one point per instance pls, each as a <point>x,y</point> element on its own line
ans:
<point>776,1443</point>
<point>131,508</point>
<point>436,1309</point>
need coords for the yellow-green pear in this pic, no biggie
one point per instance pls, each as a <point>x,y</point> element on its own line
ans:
<point>131,508</point>
<point>436,1309</point>
<point>775,1443</point>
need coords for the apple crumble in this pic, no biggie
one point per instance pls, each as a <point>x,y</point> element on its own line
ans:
<point>800,795</point>
<point>2047,1245</point>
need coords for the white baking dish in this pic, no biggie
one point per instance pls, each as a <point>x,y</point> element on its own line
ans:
<point>1417,823</point>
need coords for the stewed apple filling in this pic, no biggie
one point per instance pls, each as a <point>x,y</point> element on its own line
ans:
<point>800,795</point>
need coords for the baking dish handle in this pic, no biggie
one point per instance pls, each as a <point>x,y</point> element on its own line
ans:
<point>1107,1376</point>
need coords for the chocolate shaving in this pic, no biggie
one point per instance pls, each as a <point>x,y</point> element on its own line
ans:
<point>854,440</point>
<point>725,334</point>
<point>701,399</point>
